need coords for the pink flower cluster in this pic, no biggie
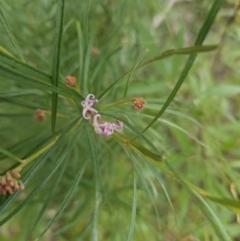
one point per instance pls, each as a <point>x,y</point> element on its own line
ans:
<point>101,127</point>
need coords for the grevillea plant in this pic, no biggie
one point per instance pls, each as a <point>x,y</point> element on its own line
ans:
<point>79,153</point>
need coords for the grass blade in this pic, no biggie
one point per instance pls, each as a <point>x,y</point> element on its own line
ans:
<point>200,38</point>
<point>56,60</point>
<point>93,155</point>
<point>10,35</point>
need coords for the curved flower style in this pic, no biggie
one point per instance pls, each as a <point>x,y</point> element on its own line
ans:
<point>106,128</point>
<point>87,106</point>
<point>89,101</point>
<point>101,127</point>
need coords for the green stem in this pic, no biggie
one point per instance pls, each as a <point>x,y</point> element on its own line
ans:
<point>9,154</point>
<point>35,155</point>
<point>121,102</point>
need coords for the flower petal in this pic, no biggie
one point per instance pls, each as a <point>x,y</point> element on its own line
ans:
<point>84,114</point>
<point>108,130</point>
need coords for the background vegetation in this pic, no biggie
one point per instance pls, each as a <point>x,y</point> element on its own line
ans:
<point>84,186</point>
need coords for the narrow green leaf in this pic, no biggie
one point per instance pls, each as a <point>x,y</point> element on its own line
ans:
<point>32,172</point>
<point>3,50</point>
<point>14,116</point>
<point>166,54</point>
<point>133,68</point>
<point>183,51</point>
<point>68,196</point>
<point>212,217</point>
<point>81,53</point>
<point>148,182</point>
<point>134,205</point>
<point>171,124</point>
<point>22,67</point>
<point>158,175</point>
<point>223,90</point>
<point>56,60</point>
<point>85,20</point>
<point>160,157</point>
<point>37,83</point>
<point>20,102</point>
<point>100,65</point>
<point>147,152</point>
<point>233,205</point>
<point>15,148</point>
<point>28,80</point>
<point>10,35</point>
<point>76,219</point>
<point>20,93</point>
<point>36,190</point>
<point>56,183</point>
<point>206,210</point>
<point>218,227</point>
<point>93,155</point>
<point>9,154</point>
<point>200,38</point>
<point>86,83</point>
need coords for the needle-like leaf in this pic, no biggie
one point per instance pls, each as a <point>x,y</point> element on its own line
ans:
<point>56,59</point>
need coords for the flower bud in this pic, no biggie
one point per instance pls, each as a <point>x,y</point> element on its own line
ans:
<point>10,182</point>
<point>40,115</point>
<point>95,51</point>
<point>70,81</point>
<point>139,103</point>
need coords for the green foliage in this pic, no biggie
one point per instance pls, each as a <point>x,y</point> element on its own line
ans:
<point>172,173</point>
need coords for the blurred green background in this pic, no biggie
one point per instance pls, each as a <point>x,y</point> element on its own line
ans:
<point>198,133</point>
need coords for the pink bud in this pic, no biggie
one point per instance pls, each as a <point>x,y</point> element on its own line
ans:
<point>3,181</point>
<point>3,192</point>
<point>139,103</point>
<point>40,115</point>
<point>9,189</point>
<point>70,81</point>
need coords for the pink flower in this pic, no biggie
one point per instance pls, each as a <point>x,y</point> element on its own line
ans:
<point>106,128</point>
<point>118,126</point>
<point>89,101</point>
<point>87,104</point>
<point>101,127</point>
<point>70,81</point>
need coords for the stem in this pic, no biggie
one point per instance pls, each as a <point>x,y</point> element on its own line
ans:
<point>35,155</point>
<point>121,102</point>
